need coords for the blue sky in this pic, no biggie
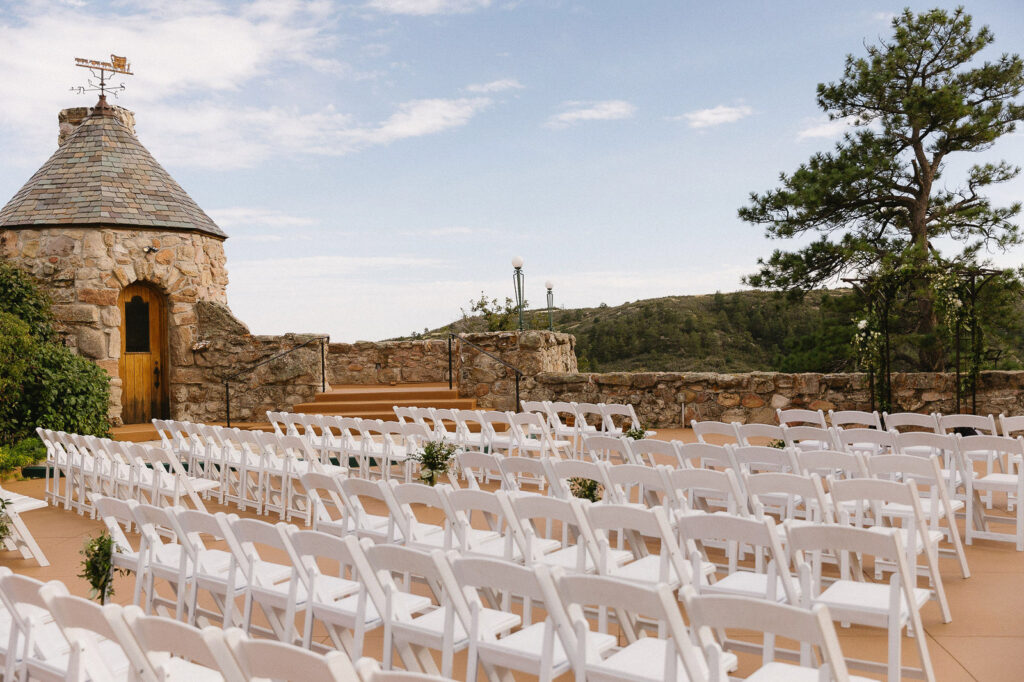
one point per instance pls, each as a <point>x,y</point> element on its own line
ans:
<point>378,163</point>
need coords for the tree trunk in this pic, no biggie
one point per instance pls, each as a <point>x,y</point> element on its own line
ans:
<point>930,355</point>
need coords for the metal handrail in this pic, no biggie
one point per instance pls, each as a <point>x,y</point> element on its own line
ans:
<point>323,370</point>
<point>519,372</point>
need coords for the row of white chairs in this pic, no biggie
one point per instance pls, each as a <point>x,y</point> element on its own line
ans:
<point>53,635</point>
<point>79,467</point>
<point>470,598</point>
<point>936,422</point>
<point>253,469</point>
<point>1002,457</point>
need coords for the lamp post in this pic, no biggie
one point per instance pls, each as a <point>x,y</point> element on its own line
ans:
<point>551,304</point>
<point>517,282</point>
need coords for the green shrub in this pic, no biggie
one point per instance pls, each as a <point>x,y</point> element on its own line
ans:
<point>21,454</point>
<point>42,383</point>
<point>22,297</point>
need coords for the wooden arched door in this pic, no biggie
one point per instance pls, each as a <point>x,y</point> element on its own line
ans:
<point>143,363</point>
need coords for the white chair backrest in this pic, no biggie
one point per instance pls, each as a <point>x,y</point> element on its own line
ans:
<point>720,432</point>
<point>984,425</point>
<point>262,659</point>
<point>1011,426</point>
<point>759,434</point>
<point>913,420</point>
<point>798,417</point>
<point>857,418</point>
<point>611,449</point>
<point>646,450</point>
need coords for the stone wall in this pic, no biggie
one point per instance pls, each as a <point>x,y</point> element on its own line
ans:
<point>662,398</point>
<point>223,347</point>
<point>86,268</point>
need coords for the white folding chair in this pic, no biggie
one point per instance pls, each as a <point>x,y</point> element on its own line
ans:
<point>341,587</point>
<point>910,420</point>
<point>855,418</point>
<point>891,606</point>
<point>176,652</point>
<point>672,655</point>
<point>876,504</point>
<point>759,434</point>
<point>95,650</point>
<point>260,659</point>
<point>768,578</point>
<point>651,452</point>
<point>540,646</point>
<point>801,417</point>
<point>1006,451</point>
<point>935,503</point>
<point>721,432</point>
<point>19,537</point>
<point>609,449</point>
<point>438,628</point>
<point>813,629</point>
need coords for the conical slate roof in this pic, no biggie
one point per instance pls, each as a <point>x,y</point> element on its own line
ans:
<point>103,176</point>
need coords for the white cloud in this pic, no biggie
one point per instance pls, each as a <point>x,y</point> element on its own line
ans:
<point>575,112</point>
<point>824,128</point>
<point>707,118</point>
<point>496,86</point>
<point>223,137</point>
<point>885,17</point>
<point>251,216</point>
<point>427,7</point>
<point>451,231</point>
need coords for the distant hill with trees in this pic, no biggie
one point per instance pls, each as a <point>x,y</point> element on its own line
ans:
<point>741,331</point>
<point>734,332</point>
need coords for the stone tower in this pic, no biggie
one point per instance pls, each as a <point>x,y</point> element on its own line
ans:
<point>127,256</point>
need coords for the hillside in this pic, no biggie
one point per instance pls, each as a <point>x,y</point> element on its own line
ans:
<point>735,332</point>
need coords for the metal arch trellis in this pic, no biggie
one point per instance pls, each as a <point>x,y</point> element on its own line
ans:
<point>878,291</point>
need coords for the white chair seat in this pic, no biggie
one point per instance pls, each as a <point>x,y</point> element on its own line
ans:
<point>492,622</point>
<point>997,482</point>
<point>748,584</point>
<point>904,510</point>
<point>180,669</point>
<point>845,597</point>
<point>527,645</point>
<point>648,570</point>
<point>934,536</point>
<point>348,607</point>
<point>643,659</point>
<point>568,558</point>
<point>784,672</point>
<point>22,503</point>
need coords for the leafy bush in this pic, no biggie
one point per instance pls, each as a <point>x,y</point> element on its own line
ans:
<point>22,297</point>
<point>435,459</point>
<point>42,383</point>
<point>98,566</point>
<point>21,454</point>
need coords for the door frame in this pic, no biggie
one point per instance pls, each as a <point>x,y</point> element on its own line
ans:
<point>163,342</point>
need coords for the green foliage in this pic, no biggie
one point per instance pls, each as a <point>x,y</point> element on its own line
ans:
<point>497,317</point>
<point>435,459</point>
<point>42,383</point>
<point>98,566</point>
<point>5,521</point>
<point>586,488</point>
<point>22,297</point>
<point>21,454</point>
<point>879,199</point>
<point>636,432</point>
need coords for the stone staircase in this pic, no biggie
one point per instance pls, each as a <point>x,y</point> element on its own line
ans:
<point>376,401</point>
<point>368,401</point>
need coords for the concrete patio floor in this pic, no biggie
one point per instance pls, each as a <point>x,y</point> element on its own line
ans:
<point>983,642</point>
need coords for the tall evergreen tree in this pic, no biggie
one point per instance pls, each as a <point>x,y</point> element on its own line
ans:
<point>876,199</point>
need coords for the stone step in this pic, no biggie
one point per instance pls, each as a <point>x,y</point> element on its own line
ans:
<point>381,405</point>
<point>396,393</point>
